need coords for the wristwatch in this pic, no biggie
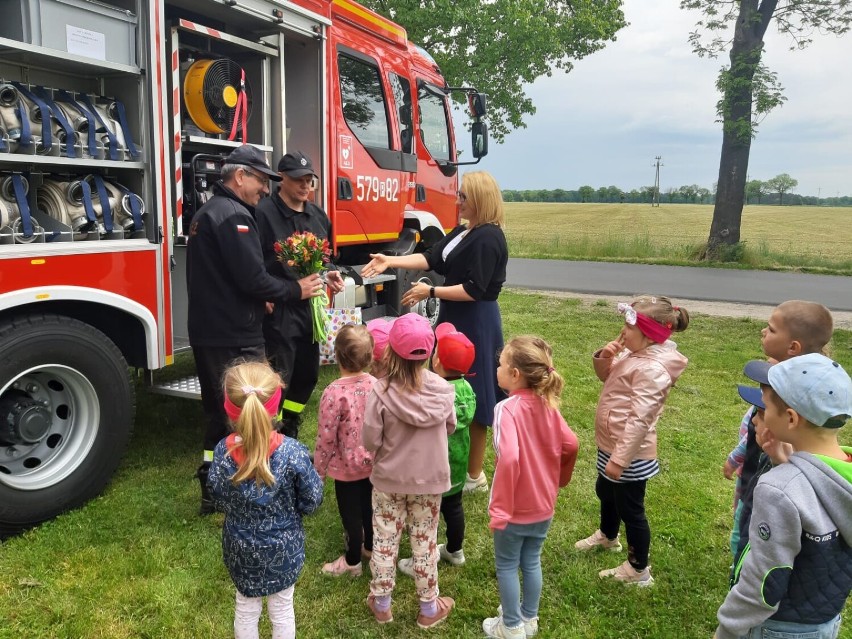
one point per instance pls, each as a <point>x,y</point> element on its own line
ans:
<point>431,291</point>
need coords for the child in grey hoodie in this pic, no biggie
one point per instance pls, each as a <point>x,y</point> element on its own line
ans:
<point>409,414</point>
<point>795,576</point>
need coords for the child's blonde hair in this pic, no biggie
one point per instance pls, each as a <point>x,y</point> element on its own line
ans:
<point>405,372</point>
<point>533,357</point>
<point>353,347</point>
<point>661,309</point>
<point>808,323</point>
<point>249,385</point>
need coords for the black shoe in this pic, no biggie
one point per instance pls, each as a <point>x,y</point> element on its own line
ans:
<point>207,507</point>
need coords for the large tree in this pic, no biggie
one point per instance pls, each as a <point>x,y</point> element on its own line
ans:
<point>780,184</point>
<point>501,45</point>
<point>748,88</point>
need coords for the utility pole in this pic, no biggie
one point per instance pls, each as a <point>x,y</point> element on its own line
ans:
<point>655,200</point>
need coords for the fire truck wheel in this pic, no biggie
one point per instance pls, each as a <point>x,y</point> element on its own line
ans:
<point>429,307</point>
<point>66,416</point>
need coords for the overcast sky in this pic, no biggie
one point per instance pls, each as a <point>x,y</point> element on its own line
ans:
<point>647,94</point>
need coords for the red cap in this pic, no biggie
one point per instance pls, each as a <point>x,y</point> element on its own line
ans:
<point>455,350</point>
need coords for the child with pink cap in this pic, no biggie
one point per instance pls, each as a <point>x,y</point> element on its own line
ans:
<point>409,415</point>
<point>379,329</point>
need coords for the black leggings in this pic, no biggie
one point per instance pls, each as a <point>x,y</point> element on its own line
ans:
<point>626,502</point>
<point>355,504</point>
<point>453,512</point>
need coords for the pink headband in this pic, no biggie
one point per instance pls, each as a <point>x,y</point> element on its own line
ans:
<point>271,404</point>
<point>650,328</point>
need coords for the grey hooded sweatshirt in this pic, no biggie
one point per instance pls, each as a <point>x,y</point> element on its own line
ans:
<point>798,565</point>
<point>407,431</point>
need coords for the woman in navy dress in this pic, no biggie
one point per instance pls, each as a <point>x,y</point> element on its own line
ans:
<point>472,258</point>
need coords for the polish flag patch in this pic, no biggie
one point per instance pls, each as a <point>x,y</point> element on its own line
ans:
<point>242,228</point>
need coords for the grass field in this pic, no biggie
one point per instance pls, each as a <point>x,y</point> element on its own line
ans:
<point>138,562</point>
<point>813,239</point>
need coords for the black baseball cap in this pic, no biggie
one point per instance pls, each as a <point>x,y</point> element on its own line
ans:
<point>296,165</point>
<point>252,157</point>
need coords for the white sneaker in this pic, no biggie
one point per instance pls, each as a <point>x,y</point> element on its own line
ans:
<point>494,627</point>
<point>477,484</point>
<point>627,574</point>
<point>406,566</point>
<point>598,541</point>
<point>455,558</point>
<point>530,625</point>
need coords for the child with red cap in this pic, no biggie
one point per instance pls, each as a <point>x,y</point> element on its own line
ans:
<point>452,360</point>
<point>409,415</point>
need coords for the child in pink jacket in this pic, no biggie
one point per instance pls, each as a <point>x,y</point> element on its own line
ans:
<point>339,452</point>
<point>638,369</point>
<point>535,453</point>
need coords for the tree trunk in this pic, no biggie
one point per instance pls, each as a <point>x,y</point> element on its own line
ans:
<point>737,86</point>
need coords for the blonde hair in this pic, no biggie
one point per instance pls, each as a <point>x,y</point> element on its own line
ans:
<point>808,323</point>
<point>533,357</point>
<point>353,347</point>
<point>254,425</point>
<point>405,372</point>
<point>661,309</point>
<point>484,196</point>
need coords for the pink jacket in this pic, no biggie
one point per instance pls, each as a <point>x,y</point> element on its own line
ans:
<point>339,452</point>
<point>535,455</point>
<point>407,431</point>
<point>635,389</point>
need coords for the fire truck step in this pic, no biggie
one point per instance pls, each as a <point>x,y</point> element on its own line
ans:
<point>187,387</point>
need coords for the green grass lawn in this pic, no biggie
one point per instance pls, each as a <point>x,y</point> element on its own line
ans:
<point>807,238</point>
<point>138,562</point>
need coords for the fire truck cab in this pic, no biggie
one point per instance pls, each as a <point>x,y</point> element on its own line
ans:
<point>115,118</point>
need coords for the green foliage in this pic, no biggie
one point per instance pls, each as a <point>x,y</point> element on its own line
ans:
<point>780,184</point>
<point>502,45</point>
<point>753,86</point>
<point>138,563</point>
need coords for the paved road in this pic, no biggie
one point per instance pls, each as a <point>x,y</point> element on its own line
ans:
<point>685,282</point>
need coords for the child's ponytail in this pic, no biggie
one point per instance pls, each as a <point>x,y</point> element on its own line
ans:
<point>533,357</point>
<point>249,386</point>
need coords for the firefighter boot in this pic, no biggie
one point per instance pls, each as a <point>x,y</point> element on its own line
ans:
<point>289,424</point>
<point>207,507</point>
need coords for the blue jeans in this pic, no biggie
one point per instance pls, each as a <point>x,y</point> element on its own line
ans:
<point>770,629</point>
<point>519,546</point>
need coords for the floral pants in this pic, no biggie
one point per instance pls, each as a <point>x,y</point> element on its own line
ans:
<point>392,512</point>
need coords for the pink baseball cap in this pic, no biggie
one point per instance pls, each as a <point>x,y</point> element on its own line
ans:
<point>411,337</point>
<point>455,350</point>
<point>379,328</point>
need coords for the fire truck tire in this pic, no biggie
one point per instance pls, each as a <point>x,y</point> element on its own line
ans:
<point>429,307</point>
<point>66,416</point>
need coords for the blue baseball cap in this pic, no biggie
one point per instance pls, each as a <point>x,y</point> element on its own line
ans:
<point>814,386</point>
<point>751,394</point>
<point>757,371</point>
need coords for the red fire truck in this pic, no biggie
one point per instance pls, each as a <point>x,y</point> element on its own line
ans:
<point>115,117</point>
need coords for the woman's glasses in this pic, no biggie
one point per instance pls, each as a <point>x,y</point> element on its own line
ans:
<point>462,197</point>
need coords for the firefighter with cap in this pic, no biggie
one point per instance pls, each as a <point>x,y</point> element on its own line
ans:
<point>287,328</point>
<point>228,288</point>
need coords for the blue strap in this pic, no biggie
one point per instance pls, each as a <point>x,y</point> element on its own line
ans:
<point>104,197</point>
<point>70,151</point>
<point>26,135</point>
<point>135,210</point>
<point>125,127</point>
<point>23,205</point>
<point>113,143</point>
<point>87,205</point>
<point>46,139</point>
<point>63,96</point>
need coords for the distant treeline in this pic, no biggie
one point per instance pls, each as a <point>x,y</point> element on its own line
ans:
<point>691,194</point>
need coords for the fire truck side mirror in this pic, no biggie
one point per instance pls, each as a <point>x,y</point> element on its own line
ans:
<point>479,139</point>
<point>476,103</point>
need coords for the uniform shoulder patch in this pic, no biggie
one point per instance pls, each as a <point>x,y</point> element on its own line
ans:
<point>764,531</point>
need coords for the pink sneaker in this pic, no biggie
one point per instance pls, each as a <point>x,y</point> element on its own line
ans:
<point>625,573</point>
<point>339,567</point>
<point>381,617</point>
<point>445,605</point>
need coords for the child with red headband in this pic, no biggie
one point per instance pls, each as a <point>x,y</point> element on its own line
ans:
<point>264,483</point>
<point>638,370</point>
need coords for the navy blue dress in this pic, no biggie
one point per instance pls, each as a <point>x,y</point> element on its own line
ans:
<point>263,540</point>
<point>478,263</point>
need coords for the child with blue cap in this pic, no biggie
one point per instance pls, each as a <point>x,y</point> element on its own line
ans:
<point>796,574</point>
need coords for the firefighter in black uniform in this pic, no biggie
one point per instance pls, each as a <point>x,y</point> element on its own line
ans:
<point>287,329</point>
<point>228,288</point>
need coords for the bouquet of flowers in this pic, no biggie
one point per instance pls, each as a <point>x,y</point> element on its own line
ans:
<point>307,254</point>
